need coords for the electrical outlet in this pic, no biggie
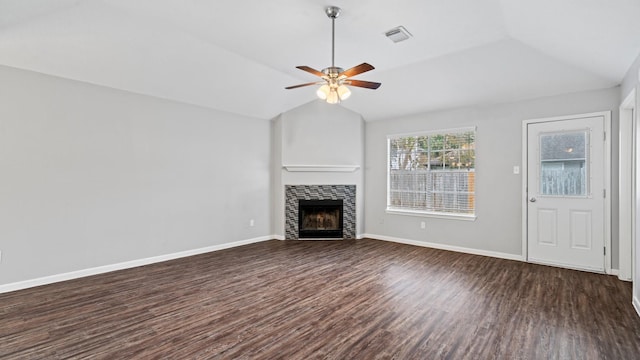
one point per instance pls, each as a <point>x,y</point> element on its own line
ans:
<point>251,222</point>
<point>516,169</point>
<point>423,225</point>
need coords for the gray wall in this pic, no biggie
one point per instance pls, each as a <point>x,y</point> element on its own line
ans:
<point>498,191</point>
<point>630,80</point>
<point>91,176</point>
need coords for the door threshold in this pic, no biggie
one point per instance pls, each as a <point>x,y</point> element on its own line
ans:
<point>567,266</point>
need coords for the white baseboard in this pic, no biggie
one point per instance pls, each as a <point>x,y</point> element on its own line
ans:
<point>461,249</point>
<point>124,265</point>
<point>614,272</point>
<point>279,237</point>
<point>617,273</point>
<point>636,305</point>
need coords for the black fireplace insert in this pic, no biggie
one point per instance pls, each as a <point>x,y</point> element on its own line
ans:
<point>320,219</point>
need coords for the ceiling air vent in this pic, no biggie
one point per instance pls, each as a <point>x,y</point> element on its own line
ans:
<point>398,34</point>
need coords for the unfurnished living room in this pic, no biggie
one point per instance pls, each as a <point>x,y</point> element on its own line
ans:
<point>302,179</point>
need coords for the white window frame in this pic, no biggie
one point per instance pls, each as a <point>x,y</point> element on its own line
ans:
<point>424,213</point>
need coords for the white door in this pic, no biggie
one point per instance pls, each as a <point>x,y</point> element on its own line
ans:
<point>566,190</point>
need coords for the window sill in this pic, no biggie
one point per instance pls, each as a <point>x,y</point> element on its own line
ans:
<point>434,215</point>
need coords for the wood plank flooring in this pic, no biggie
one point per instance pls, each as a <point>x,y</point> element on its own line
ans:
<point>352,299</point>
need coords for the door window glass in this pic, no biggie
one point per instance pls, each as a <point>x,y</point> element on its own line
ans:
<point>564,163</point>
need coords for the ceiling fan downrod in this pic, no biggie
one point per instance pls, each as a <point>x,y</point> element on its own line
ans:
<point>333,12</point>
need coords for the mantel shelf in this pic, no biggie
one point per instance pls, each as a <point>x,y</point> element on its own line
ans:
<point>321,168</point>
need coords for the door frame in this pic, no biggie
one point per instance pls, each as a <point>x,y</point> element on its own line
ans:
<point>626,188</point>
<point>607,180</point>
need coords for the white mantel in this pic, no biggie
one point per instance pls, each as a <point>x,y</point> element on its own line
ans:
<point>321,168</point>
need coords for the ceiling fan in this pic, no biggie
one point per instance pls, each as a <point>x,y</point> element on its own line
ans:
<point>335,79</point>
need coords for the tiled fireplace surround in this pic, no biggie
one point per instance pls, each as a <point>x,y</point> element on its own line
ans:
<point>346,193</point>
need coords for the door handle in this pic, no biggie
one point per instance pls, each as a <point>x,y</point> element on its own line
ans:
<point>532,199</point>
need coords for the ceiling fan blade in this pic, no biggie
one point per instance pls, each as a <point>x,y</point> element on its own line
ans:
<point>363,84</point>
<point>310,70</point>
<point>302,85</point>
<point>364,67</point>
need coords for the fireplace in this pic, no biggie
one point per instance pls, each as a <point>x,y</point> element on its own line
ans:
<point>320,219</point>
<point>346,222</point>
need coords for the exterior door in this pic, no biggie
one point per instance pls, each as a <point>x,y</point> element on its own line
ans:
<point>565,193</point>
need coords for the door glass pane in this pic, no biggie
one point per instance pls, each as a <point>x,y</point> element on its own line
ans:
<point>564,163</point>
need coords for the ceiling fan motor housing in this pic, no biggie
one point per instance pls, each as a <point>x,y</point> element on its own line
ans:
<point>333,71</point>
<point>333,78</point>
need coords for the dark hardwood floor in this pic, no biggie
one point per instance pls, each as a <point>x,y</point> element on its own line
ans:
<point>353,299</point>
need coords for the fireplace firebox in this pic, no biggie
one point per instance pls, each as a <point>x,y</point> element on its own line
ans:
<point>320,218</point>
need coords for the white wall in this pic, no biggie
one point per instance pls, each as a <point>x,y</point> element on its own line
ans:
<point>317,133</point>
<point>91,176</point>
<point>632,81</point>
<point>498,191</point>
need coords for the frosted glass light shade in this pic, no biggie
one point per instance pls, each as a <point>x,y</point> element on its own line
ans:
<point>323,91</point>
<point>333,98</point>
<point>344,92</point>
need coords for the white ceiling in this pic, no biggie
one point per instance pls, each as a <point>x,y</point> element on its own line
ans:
<point>238,56</point>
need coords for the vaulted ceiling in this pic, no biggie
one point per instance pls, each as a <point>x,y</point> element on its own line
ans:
<point>238,56</point>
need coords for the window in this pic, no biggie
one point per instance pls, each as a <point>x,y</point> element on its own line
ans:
<point>563,163</point>
<point>432,173</point>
